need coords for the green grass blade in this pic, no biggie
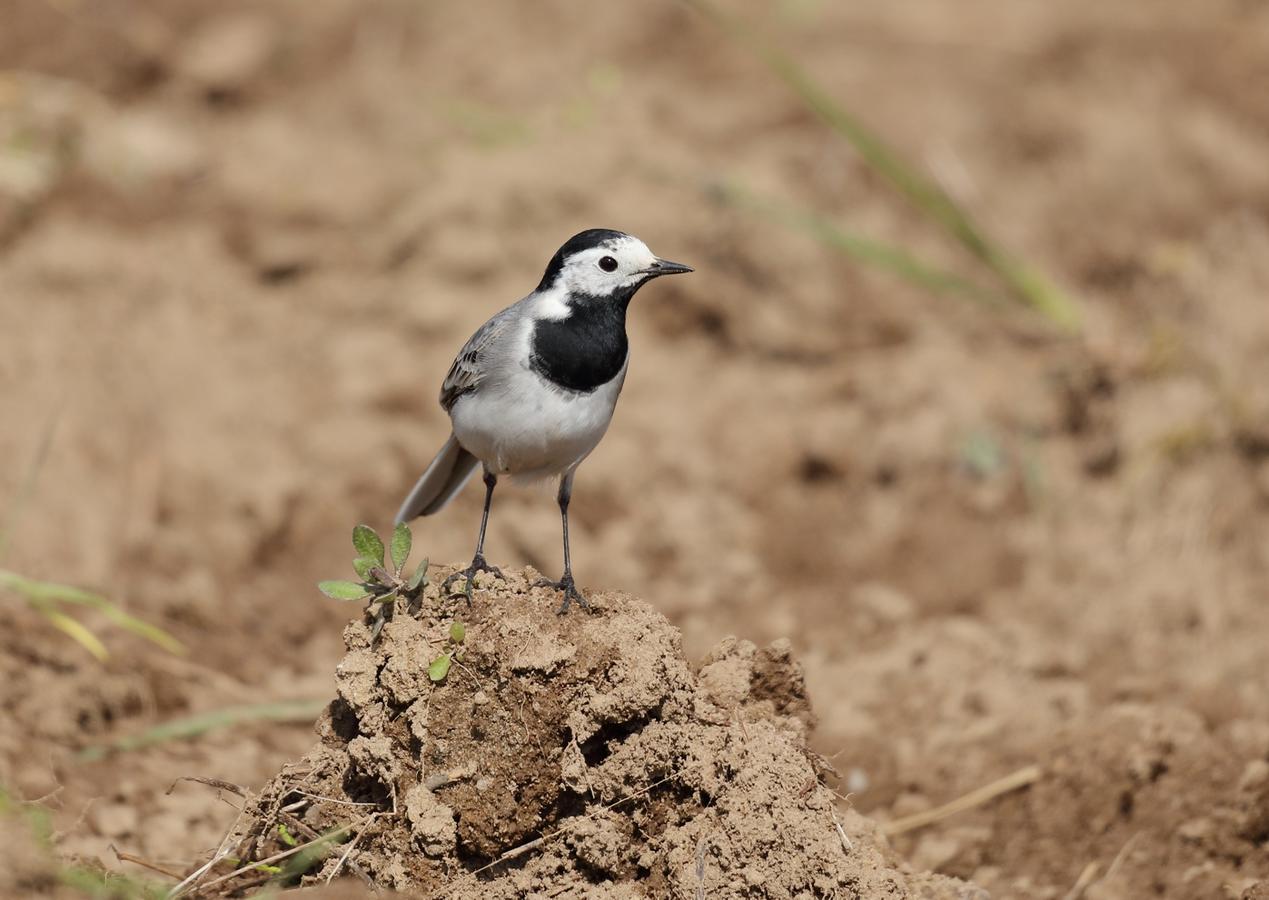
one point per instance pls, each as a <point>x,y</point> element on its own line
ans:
<point>878,254</point>
<point>75,631</point>
<point>1025,283</point>
<point>49,593</point>
<point>201,723</point>
<point>139,627</point>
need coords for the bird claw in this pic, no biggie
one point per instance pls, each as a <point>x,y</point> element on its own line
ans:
<point>565,586</point>
<point>478,564</point>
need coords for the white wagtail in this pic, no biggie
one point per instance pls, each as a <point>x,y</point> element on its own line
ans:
<point>531,393</point>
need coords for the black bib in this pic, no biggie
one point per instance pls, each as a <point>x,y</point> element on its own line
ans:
<point>587,349</point>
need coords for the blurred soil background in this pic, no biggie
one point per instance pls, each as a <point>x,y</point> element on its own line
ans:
<point>240,243</point>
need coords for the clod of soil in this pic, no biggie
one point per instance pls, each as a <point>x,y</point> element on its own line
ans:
<point>568,755</point>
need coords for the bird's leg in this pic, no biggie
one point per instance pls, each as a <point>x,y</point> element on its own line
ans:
<point>565,585</point>
<point>478,563</point>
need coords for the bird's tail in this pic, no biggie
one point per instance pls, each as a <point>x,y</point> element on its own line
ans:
<point>443,479</point>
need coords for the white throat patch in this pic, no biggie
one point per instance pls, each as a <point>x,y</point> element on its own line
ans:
<point>552,303</point>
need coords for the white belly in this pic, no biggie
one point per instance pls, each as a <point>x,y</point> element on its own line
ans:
<point>528,429</point>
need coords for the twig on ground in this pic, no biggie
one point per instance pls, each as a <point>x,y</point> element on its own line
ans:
<point>145,864</point>
<point>514,852</point>
<point>352,865</point>
<point>438,780</point>
<point>295,790</point>
<point>1120,856</point>
<point>217,783</point>
<point>1022,778</point>
<point>1087,877</point>
<point>841,832</point>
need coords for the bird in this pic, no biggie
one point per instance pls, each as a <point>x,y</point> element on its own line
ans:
<point>533,390</point>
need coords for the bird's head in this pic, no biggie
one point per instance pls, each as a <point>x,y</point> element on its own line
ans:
<point>605,263</point>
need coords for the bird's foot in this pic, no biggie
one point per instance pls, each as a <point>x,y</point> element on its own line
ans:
<point>566,587</point>
<point>478,564</point>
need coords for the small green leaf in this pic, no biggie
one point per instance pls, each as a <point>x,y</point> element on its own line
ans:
<point>402,541</point>
<point>368,543</point>
<point>419,577</point>
<point>343,590</point>
<point>439,668</point>
<point>457,632</point>
<point>286,837</point>
<point>362,566</point>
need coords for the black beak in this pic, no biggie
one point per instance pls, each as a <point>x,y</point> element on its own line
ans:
<point>665,267</point>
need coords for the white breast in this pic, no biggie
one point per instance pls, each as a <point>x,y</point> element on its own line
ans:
<point>520,425</point>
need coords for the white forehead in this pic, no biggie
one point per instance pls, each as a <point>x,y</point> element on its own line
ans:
<point>628,250</point>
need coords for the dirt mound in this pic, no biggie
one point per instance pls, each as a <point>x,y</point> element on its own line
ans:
<point>574,753</point>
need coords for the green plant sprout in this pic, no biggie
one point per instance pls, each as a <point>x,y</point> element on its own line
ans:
<point>440,666</point>
<point>49,600</point>
<point>380,585</point>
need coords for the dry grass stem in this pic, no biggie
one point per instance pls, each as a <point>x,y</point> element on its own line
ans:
<point>145,864</point>
<point>985,794</point>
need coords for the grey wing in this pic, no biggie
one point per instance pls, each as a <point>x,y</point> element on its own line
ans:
<point>471,366</point>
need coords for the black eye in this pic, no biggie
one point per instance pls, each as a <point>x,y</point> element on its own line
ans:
<point>608,264</point>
